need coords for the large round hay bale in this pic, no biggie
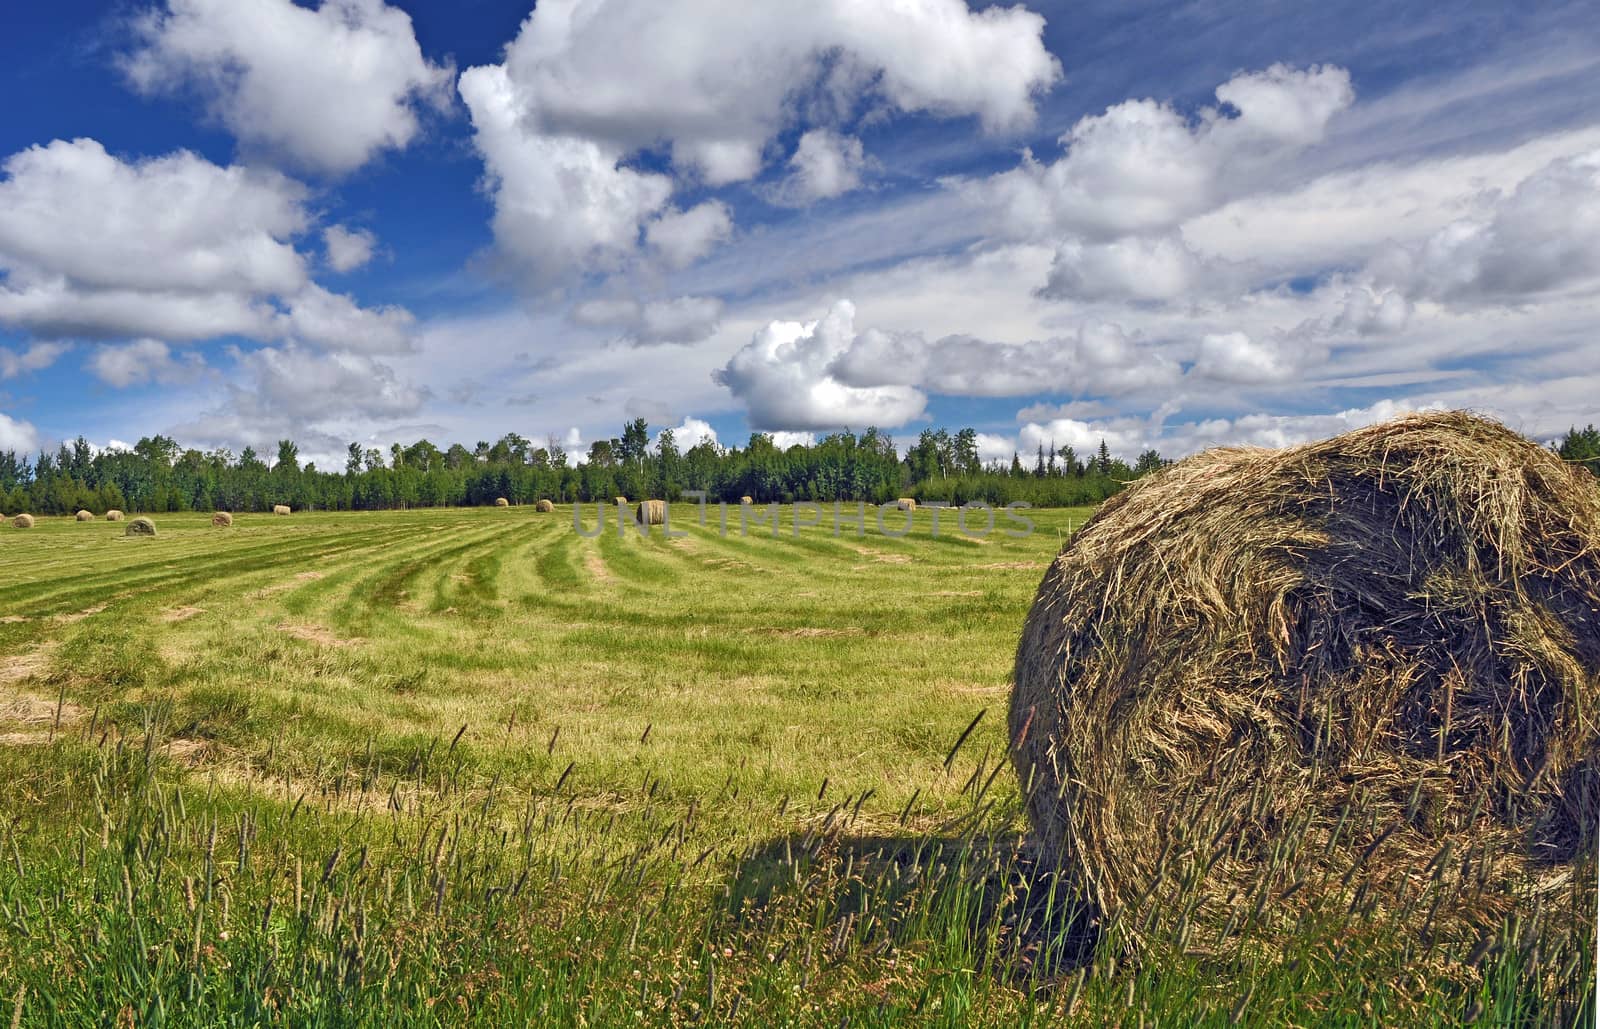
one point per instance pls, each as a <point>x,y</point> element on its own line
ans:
<point>651,512</point>
<point>544,507</point>
<point>22,521</point>
<point>622,501</point>
<point>140,527</point>
<point>501,502</point>
<point>85,516</point>
<point>280,509</point>
<point>222,520</point>
<point>747,500</point>
<point>114,515</point>
<point>1361,671</point>
<point>905,504</point>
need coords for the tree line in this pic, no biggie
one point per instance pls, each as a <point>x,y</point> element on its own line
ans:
<point>158,475</point>
<point>1582,446</point>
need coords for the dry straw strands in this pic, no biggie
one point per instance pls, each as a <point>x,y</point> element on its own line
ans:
<point>544,507</point>
<point>222,519</point>
<point>501,502</point>
<point>140,527</point>
<point>22,521</point>
<point>905,504</point>
<point>651,512</point>
<point>280,509</point>
<point>113,515</point>
<point>84,516</point>
<point>1352,669</point>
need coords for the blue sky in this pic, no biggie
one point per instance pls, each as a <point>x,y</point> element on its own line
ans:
<point>1169,225</point>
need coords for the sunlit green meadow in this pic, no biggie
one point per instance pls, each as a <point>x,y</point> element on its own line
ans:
<point>472,766</point>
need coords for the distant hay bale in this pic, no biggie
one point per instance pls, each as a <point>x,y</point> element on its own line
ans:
<point>22,521</point>
<point>501,502</point>
<point>544,507</point>
<point>280,509</point>
<point>651,512</point>
<point>114,515</point>
<point>222,520</point>
<point>1355,668</point>
<point>140,527</point>
<point>905,504</point>
<point>85,516</point>
<point>622,501</point>
<point>747,500</point>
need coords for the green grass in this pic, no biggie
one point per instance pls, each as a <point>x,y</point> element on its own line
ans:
<point>468,767</point>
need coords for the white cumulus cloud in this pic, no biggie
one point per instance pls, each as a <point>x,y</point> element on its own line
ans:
<point>1235,357</point>
<point>1143,167</point>
<point>679,320</point>
<point>36,357</point>
<point>328,87</point>
<point>785,380</point>
<point>712,84</point>
<point>563,206</point>
<point>825,164</point>
<point>1097,357</point>
<point>17,436</point>
<point>1129,178</point>
<point>690,433</point>
<point>1541,238</point>
<point>173,248</point>
<point>681,238</point>
<point>143,361</point>
<point>347,249</point>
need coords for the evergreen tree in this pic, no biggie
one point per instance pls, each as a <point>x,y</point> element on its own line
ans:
<point>1149,461</point>
<point>1582,447</point>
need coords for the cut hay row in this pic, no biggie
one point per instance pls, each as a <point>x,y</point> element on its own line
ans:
<point>1356,667</point>
<point>544,507</point>
<point>84,516</point>
<point>114,515</point>
<point>222,519</point>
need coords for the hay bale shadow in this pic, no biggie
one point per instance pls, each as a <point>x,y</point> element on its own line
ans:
<point>1026,922</point>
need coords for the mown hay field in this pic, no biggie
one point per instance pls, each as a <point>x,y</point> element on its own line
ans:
<point>472,767</point>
